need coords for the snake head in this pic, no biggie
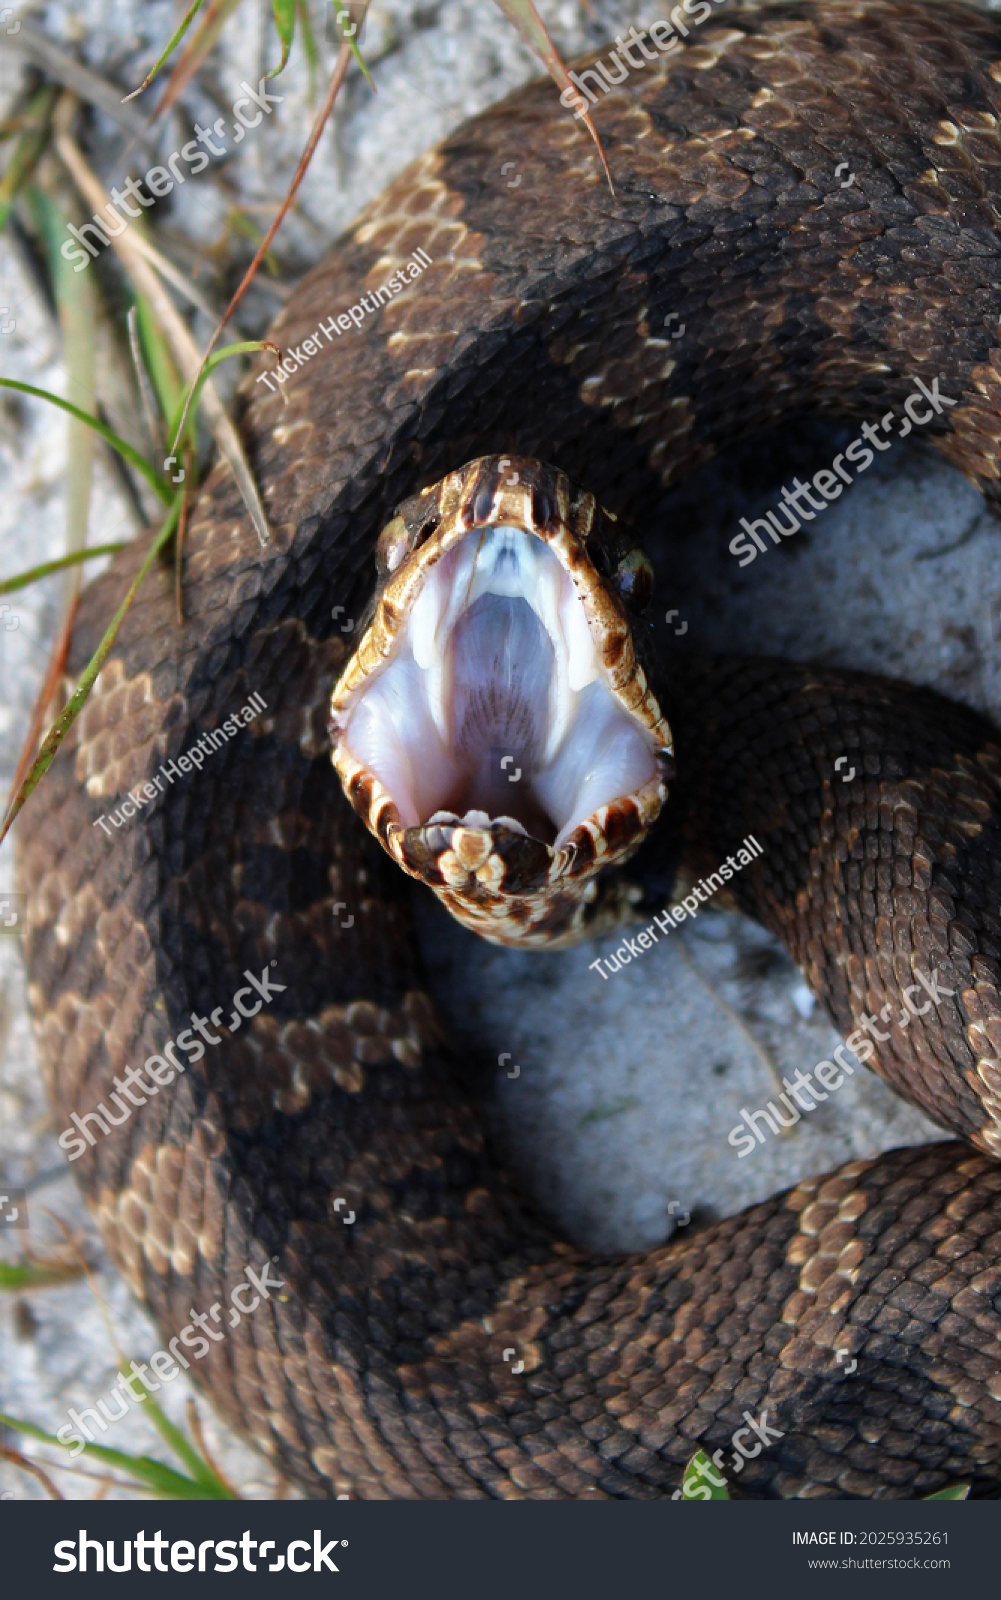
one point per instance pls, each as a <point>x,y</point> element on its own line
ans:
<point>494,728</point>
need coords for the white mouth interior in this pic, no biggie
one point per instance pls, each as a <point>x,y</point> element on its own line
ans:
<point>495,705</point>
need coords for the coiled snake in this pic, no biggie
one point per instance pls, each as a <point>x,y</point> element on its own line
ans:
<point>539,330</point>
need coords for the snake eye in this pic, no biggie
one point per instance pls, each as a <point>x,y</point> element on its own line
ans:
<point>633,579</point>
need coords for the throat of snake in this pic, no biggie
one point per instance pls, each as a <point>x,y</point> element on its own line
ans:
<point>494,707</point>
<point>493,727</point>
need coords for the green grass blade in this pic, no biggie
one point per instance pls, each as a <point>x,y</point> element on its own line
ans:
<point>8,585</point>
<point>193,391</point>
<point>955,1491</point>
<point>200,1470</point>
<point>309,49</point>
<point>124,449</point>
<point>348,31</point>
<point>162,1480</point>
<point>179,32</point>
<point>202,41</point>
<point>694,1483</point>
<point>523,15</point>
<point>15,1275</point>
<point>28,149</point>
<point>159,363</point>
<point>56,734</point>
<point>284,14</point>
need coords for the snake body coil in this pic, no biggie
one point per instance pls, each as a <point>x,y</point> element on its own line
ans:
<point>542,329</point>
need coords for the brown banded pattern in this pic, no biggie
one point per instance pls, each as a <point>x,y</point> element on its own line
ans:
<point>539,330</point>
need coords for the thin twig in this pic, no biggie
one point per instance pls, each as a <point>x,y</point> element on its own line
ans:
<point>27,1465</point>
<point>967,534</point>
<point>102,1478</point>
<point>56,667</point>
<point>182,527</point>
<point>174,276</point>
<point>72,75</point>
<point>89,1275</point>
<point>195,1424</point>
<point>192,56</point>
<point>337,77</point>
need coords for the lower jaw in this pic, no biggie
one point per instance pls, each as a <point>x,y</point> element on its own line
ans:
<point>504,884</point>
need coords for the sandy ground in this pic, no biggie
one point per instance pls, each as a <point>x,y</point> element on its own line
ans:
<point>626,1089</point>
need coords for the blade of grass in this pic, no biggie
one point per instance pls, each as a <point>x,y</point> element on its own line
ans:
<point>43,700</point>
<point>200,1470</point>
<point>694,1479</point>
<point>64,722</point>
<point>103,1479</point>
<point>349,31</point>
<point>194,54</point>
<point>8,585</point>
<point>308,46</point>
<point>955,1491</point>
<point>124,449</point>
<point>159,365</point>
<point>176,37</point>
<point>17,1275</point>
<point>195,1428</point>
<point>530,25</point>
<point>333,87</point>
<point>29,147</point>
<point>192,393</point>
<point>147,394</point>
<point>243,225</point>
<point>163,1480</point>
<point>284,15</point>
<point>174,329</point>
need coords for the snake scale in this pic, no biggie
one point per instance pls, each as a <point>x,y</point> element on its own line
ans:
<point>539,329</point>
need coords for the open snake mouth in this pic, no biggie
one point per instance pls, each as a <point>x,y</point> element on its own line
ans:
<point>495,704</point>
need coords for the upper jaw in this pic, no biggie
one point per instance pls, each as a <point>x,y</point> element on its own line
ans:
<point>494,728</point>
